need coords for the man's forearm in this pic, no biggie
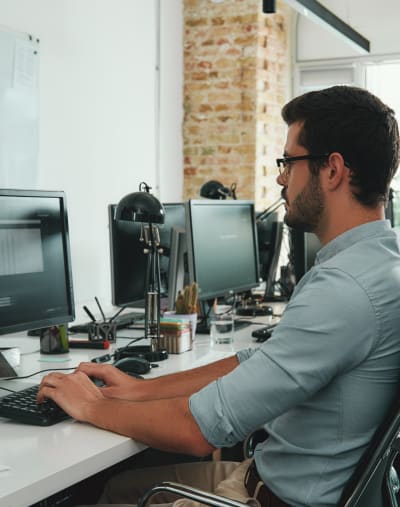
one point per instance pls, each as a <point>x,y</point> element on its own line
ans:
<point>163,424</point>
<point>185,383</point>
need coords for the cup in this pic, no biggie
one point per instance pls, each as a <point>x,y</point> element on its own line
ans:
<point>54,340</point>
<point>221,328</point>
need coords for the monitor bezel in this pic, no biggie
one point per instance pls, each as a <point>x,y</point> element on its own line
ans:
<point>59,319</point>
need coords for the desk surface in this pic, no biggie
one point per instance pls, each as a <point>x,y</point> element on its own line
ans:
<point>36,462</point>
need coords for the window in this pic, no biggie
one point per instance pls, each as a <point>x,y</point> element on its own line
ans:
<point>379,77</point>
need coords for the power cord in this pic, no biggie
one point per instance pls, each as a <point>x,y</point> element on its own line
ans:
<point>32,375</point>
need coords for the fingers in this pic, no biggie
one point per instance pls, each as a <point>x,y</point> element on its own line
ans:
<point>48,383</point>
<point>54,381</point>
<point>73,392</point>
<point>51,378</point>
<point>93,369</point>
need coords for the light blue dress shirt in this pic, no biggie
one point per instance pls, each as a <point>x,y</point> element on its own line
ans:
<point>322,384</point>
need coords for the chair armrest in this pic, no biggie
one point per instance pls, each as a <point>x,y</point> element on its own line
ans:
<point>188,492</point>
<point>252,440</point>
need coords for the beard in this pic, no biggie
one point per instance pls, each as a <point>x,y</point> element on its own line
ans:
<point>305,211</point>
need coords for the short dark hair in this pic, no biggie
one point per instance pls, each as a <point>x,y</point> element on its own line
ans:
<point>355,123</point>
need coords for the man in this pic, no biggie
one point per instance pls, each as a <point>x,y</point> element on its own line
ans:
<point>322,384</point>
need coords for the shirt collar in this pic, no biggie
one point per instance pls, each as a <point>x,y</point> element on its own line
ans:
<point>351,237</point>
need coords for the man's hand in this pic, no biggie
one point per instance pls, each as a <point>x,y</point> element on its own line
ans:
<point>74,393</point>
<point>116,383</point>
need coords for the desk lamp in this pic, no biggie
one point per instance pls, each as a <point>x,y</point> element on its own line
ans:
<point>215,190</point>
<point>145,208</point>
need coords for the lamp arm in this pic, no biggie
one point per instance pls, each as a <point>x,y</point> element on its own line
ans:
<point>268,211</point>
<point>153,286</point>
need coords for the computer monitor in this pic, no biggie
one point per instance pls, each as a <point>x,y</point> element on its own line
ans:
<point>392,210</point>
<point>35,267</point>
<point>128,260</point>
<point>222,247</point>
<point>269,234</point>
<point>303,249</point>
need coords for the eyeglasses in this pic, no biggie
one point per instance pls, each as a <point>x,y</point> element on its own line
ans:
<point>285,164</point>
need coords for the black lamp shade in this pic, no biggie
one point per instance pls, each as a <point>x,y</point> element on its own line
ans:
<point>140,207</point>
<point>269,6</point>
<point>214,190</point>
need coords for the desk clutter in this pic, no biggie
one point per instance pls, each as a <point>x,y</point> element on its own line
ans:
<point>178,328</point>
<point>176,334</point>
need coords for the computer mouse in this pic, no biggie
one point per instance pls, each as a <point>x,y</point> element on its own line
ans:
<point>133,365</point>
<point>254,310</point>
<point>261,335</point>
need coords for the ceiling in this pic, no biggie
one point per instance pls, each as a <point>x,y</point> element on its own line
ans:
<point>376,21</point>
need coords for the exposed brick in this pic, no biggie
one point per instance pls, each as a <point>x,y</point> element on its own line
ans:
<point>218,21</point>
<point>235,83</point>
<point>190,171</point>
<point>196,22</point>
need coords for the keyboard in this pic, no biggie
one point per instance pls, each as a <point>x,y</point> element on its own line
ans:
<point>21,406</point>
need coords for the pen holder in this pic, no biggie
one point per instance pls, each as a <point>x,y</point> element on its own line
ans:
<point>100,331</point>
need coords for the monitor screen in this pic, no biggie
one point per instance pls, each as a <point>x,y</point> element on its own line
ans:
<point>222,246</point>
<point>128,260</point>
<point>303,249</point>
<point>269,234</point>
<point>35,268</point>
<point>392,210</point>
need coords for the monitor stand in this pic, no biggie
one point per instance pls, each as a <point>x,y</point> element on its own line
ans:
<point>254,310</point>
<point>6,370</point>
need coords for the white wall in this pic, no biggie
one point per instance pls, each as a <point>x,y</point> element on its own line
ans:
<point>171,101</point>
<point>98,127</point>
<point>377,21</point>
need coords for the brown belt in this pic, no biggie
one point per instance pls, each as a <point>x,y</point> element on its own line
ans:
<point>258,490</point>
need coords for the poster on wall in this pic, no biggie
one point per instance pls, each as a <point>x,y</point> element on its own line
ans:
<point>19,109</point>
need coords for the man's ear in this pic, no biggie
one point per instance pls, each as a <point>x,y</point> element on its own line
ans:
<point>335,171</point>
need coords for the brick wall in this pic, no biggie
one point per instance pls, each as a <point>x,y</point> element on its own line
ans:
<point>236,75</point>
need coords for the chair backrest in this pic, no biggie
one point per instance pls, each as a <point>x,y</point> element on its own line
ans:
<point>371,484</point>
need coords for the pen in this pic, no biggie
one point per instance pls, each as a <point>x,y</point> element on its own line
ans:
<point>86,344</point>
<point>89,313</point>
<point>100,308</point>
<point>116,315</point>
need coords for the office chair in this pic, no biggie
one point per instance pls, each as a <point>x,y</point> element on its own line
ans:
<point>374,482</point>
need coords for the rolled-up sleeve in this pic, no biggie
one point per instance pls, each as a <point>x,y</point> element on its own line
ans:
<point>307,349</point>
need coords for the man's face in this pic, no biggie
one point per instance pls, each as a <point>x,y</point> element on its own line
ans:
<point>301,189</point>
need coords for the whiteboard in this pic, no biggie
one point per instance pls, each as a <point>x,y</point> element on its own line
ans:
<point>19,109</point>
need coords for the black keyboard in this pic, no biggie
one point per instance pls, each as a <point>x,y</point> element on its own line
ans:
<point>22,407</point>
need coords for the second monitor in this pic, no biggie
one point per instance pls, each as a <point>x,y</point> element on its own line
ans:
<point>128,261</point>
<point>222,247</point>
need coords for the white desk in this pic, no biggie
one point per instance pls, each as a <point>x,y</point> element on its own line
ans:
<point>44,460</point>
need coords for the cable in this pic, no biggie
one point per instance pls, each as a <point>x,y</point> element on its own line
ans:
<point>6,389</point>
<point>37,373</point>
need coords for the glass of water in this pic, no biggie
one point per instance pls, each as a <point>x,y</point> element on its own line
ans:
<point>222,327</point>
